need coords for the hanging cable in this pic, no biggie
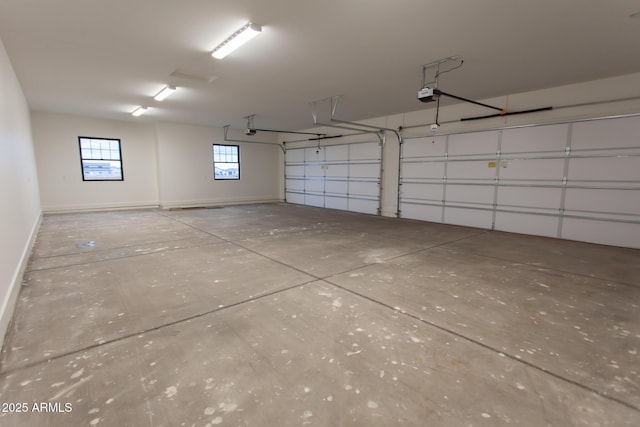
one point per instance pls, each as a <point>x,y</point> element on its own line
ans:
<point>439,73</point>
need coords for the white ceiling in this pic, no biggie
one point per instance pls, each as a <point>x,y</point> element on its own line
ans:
<point>101,58</point>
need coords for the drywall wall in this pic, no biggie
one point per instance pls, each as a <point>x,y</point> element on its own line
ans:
<point>59,171</point>
<point>164,164</point>
<point>20,215</point>
<point>185,168</point>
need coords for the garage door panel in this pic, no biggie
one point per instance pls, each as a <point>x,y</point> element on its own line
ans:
<point>424,147</point>
<point>477,169</point>
<point>618,132</point>
<point>363,206</point>
<point>537,225</point>
<point>314,170</point>
<point>364,170</point>
<point>551,138</point>
<point>294,156</point>
<point>473,143</point>
<point>548,198</point>
<point>370,189</point>
<point>422,191</point>
<point>337,187</point>
<point>589,192</point>
<point>295,184</point>
<point>423,170</point>
<point>313,155</point>
<point>608,233</point>
<point>421,212</point>
<point>335,176</point>
<point>336,152</point>
<point>314,186</point>
<point>314,200</point>
<point>532,169</point>
<point>337,171</point>
<point>470,194</point>
<point>294,171</point>
<point>297,198</point>
<point>605,169</point>
<point>341,203</point>
<point>468,217</point>
<point>603,200</point>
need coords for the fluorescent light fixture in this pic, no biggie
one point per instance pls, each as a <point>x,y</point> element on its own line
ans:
<point>168,90</point>
<point>139,111</point>
<point>236,40</point>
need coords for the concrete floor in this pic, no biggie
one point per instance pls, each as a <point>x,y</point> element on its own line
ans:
<point>284,315</point>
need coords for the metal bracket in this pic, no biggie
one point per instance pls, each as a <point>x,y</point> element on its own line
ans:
<point>436,65</point>
<point>333,104</point>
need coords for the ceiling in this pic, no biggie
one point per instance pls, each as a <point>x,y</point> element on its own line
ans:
<point>102,58</point>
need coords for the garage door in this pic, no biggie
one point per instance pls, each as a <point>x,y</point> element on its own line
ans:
<point>579,181</point>
<point>343,176</point>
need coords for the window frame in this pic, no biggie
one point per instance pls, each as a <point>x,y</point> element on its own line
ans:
<point>213,152</point>
<point>83,159</point>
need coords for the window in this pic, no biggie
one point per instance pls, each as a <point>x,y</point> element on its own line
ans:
<point>226,161</point>
<point>101,159</point>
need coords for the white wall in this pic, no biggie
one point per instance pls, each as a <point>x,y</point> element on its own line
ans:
<point>20,215</point>
<point>59,170</point>
<point>185,168</point>
<point>164,164</point>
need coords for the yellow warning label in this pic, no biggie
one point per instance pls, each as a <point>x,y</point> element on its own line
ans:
<point>492,164</point>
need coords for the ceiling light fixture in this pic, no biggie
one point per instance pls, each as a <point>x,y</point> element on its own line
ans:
<point>168,90</point>
<point>236,40</point>
<point>139,111</point>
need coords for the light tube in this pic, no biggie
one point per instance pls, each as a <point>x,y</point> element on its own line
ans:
<point>236,40</point>
<point>139,111</point>
<point>168,90</point>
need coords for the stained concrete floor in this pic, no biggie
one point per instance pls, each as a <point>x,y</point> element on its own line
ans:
<point>284,315</point>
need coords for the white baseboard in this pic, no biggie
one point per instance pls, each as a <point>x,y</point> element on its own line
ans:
<point>10,299</point>
<point>99,207</point>
<point>216,202</point>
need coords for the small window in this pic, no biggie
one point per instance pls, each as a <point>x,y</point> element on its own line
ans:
<point>226,161</point>
<point>101,159</point>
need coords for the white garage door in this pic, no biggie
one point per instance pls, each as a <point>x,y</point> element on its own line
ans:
<point>344,176</point>
<point>579,181</point>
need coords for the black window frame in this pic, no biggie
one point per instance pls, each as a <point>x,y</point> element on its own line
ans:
<point>82,158</point>
<point>213,152</point>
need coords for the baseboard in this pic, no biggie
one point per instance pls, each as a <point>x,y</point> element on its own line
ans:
<point>98,208</point>
<point>182,204</point>
<point>9,303</point>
